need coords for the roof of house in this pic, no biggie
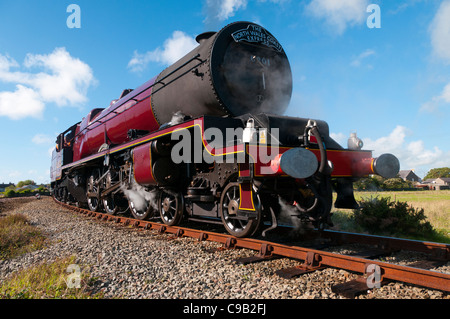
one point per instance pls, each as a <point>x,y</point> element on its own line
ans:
<point>28,187</point>
<point>405,173</point>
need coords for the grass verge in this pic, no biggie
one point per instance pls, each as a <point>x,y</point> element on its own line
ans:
<point>45,281</point>
<point>18,236</point>
<point>49,281</point>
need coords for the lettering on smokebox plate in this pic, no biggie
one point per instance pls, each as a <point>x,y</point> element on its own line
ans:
<point>256,34</point>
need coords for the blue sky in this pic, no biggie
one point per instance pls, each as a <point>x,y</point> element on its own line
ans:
<point>391,84</point>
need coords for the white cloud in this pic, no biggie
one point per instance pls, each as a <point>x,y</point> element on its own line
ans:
<point>50,153</point>
<point>437,101</point>
<point>440,42</point>
<point>440,32</point>
<point>356,62</point>
<point>221,10</point>
<point>388,144</point>
<point>227,8</point>
<point>36,174</point>
<point>21,103</point>
<point>14,174</point>
<point>340,138</point>
<point>68,80</point>
<point>410,154</point>
<point>217,11</point>
<point>6,63</point>
<point>62,80</point>
<point>274,1</point>
<point>174,48</point>
<point>339,14</point>
<point>42,139</point>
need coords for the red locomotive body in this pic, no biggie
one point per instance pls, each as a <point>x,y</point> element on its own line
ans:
<point>106,127</point>
<point>206,140</point>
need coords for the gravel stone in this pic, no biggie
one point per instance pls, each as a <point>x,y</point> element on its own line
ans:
<point>136,264</point>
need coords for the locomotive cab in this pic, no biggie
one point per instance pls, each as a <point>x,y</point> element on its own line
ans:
<point>64,144</point>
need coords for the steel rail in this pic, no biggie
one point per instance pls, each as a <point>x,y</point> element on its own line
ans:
<point>317,258</point>
<point>438,251</point>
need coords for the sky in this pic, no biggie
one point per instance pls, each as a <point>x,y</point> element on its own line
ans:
<point>377,68</point>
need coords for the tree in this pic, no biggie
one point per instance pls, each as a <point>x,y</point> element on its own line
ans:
<point>10,193</point>
<point>396,183</point>
<point>26,182</point>
<point>381,216</point>
<point>378,183</point>
<point>11,187</point>
<point>371,183</point>
<point>438,172</point>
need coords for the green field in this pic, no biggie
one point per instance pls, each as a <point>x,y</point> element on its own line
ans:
<point>436,206</point>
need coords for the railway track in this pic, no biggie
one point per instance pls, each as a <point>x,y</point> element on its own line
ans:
<point>312,251</point>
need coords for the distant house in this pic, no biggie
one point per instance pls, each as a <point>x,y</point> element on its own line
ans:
<point>409,175</point>
<point>439,183</point>
<point>3,186</point>
<point>442,183</point>
<point>32,187</point>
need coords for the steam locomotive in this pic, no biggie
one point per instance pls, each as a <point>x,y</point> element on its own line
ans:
<point>206,140</point>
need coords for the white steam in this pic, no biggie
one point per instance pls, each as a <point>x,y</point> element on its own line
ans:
<point>177,118</point>
<point>288,214</point>
<point>139,196</point>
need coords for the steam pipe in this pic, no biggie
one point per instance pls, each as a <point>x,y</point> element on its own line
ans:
<point>323,151</point>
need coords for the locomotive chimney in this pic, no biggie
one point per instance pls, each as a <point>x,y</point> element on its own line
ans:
<point>204,36</point>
